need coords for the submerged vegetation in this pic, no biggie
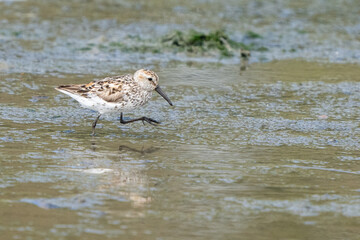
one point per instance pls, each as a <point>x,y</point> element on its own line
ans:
<point>191,42</point>
<point>198,42</point>
<point>253,35</point>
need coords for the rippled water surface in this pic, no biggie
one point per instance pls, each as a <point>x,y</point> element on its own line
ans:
<point>271,152</point>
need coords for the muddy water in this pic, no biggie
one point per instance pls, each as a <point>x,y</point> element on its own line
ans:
<point>271,152</point>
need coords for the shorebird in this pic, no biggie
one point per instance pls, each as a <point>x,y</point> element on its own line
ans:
<point>117,94</point>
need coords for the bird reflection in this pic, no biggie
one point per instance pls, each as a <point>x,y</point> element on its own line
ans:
<point>125,177</point>
<point>124,149</point>
<point>142,151</point>
<point>93,146</point>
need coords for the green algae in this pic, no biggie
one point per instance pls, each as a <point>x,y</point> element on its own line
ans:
<point>199,42</point>
<point>192,42</point>
<point>253,35</point>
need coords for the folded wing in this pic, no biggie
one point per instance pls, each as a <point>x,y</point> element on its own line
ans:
<point>108,90</point>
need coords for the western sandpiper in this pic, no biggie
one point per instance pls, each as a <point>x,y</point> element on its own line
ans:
<point>117,94</point>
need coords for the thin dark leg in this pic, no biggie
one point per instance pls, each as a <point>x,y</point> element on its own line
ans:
<point>143,119</point>
<point>94,124</point>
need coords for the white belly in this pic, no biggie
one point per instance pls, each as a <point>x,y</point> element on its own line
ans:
<point>98,104</point>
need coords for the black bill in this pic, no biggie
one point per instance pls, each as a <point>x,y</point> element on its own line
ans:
<point>159,91</point>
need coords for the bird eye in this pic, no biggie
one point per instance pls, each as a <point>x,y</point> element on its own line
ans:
<point>150,79</point>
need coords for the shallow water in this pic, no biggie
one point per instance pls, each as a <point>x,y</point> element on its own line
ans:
<point>271,152</point>
<point>250,155</point>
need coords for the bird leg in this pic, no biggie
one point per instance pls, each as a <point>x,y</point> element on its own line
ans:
<point>143,119</point>
<point>94,124</point>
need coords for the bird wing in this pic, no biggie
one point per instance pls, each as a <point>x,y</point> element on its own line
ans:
<point>110,89</point>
